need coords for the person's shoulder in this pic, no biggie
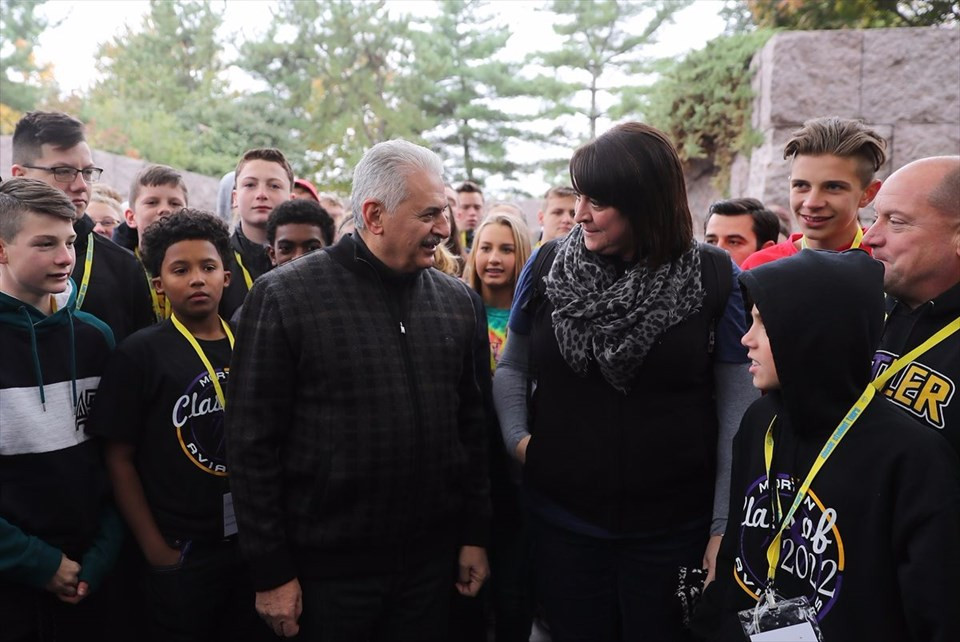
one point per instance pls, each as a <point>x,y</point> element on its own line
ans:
<point>713,251</point>
<point>758,415</point>
<point>892,425</point>
<point>770,254</point>
<point>108,248</point>
<point>147,339</point>
<point>454,286</point>
<point>86,322</point>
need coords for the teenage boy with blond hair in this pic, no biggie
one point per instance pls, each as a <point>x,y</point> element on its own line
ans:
<point>833,166</point>
<point>59,535</point>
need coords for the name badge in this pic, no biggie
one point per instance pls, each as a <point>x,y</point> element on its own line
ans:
<point>229,517</point>
<point>776,619</point>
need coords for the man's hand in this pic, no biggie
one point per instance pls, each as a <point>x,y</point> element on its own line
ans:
<point>474,569</point>
<point>522,449</point>
<point>64,581</point>
<point>82,589</point>
<point>281,607</point>
<point>710,558</point>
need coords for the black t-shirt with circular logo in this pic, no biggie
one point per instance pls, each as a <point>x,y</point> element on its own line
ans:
<point>157,395</point>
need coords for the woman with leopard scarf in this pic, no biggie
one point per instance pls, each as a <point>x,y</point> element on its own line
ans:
<point>620,391</point>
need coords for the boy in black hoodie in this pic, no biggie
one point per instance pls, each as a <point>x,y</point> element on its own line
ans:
<point>872,545</point>
<point>59,535</point>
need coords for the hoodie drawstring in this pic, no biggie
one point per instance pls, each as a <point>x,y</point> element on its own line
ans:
<point>73,360</point>
<point>36,357</point>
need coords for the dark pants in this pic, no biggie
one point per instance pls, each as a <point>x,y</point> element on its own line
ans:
<point>599,590</point>
<point>511,580</point>
<point>205,597</point>
<point>506,598</point>
<point>31,615</point>
<point>409,603</point>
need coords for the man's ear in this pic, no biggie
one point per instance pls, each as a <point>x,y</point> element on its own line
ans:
<point>373,214</point>
<point>226,278</point>
<point>3,253</point>
<point>540,217</point>
<point>129,217</point>
<point>272,253</point>
<point>233,199</point>
<point>16,170</point>
<point>767,244</point>
<point>870,193</point>
<point>157,286</point>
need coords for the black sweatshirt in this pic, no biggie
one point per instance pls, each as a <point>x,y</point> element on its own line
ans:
<point>117,293</point>
<point>873,546</point>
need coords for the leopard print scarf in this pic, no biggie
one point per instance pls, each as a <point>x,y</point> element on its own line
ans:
<point>615,321</point>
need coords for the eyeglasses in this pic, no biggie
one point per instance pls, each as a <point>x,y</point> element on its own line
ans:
<point>69,174</point>
<point>107,222</point>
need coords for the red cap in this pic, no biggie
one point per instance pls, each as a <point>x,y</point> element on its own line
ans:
<point>307,185</point>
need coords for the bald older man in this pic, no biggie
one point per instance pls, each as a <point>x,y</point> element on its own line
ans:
<point>917,238</point>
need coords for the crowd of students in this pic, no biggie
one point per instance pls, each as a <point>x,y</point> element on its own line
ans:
<point>623,435</point>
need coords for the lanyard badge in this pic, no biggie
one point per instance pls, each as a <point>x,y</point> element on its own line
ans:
<point>776,618</point>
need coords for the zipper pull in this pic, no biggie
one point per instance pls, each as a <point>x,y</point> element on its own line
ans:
<point>402,329</point>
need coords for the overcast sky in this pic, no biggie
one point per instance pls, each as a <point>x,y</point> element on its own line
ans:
<point>83,26</point>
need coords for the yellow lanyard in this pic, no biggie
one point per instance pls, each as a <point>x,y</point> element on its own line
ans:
<point>162,310</point>
<point>773,551</point>
<point>856,240</point>
<point>206,362</point>
<point>246,274</point>
<point>87,269</point>
<point>902,362</point>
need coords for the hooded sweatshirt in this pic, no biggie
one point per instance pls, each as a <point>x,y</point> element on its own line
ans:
<point>117,293</point>
<point>873,545</point>
<point>927,388</point>
<point>256,262</point>
<point>53,486</point>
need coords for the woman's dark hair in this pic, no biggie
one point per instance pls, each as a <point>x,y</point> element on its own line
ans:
<point>635,168</point>
<point>185,225</point>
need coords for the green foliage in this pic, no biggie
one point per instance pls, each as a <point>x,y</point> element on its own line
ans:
<point>23,83</point>
<point>600,36</point>
<point>853,14</point>
<point>342,70</point>
<point>704,102</point>
<point>461,80</point>
<point>162,96</point>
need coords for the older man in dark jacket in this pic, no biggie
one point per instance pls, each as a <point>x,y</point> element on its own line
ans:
<point>355,427</point>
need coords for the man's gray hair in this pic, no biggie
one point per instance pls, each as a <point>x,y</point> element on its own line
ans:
<point>381,174</point>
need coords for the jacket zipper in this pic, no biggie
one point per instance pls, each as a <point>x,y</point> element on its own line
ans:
<point>409,372</point>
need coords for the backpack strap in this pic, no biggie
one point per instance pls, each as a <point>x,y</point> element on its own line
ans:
<point>538,294</point>
<point>538,273</point>
<point>718,282</point>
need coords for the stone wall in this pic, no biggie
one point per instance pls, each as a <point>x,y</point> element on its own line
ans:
<point>904,83</point>
<point>119,172</point>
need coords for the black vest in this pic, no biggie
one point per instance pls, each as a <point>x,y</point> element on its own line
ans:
<point>636,462</point>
